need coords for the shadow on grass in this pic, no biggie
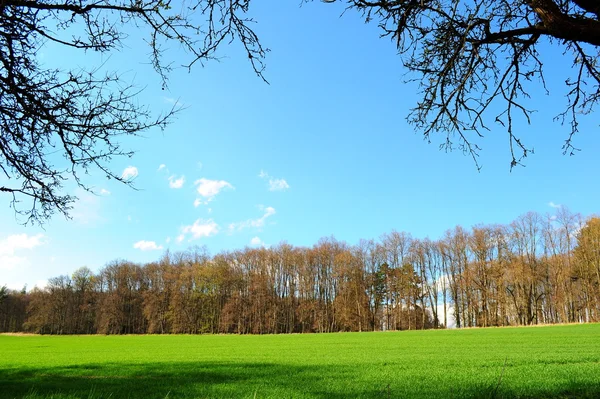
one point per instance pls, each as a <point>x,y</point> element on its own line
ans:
<point>173,380</point>
<point>240,380</point>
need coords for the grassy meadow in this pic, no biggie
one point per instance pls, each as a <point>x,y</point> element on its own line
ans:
<point>544,362</point>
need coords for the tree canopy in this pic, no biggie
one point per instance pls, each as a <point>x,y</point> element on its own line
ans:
<point>536,270</point>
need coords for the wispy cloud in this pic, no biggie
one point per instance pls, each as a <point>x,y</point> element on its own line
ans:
<point>86,210</point>
<point>176,182</point>
<point>200,228</point>
<point>275,184</point>
<point>104,192</point>
<point>278,185</point>
<point>41,284</point>
<point>161,167</point>
<point>257,242</point>
<point>17,242</point>
<point>144,245</point>
<point>208,189</point>
<point>173,101</point>
<point>252,223</point>
<point>553,205</point>
<point>12,244</point>
<point>129,173</point>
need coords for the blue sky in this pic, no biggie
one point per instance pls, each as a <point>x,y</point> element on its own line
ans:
<point>322,150</point>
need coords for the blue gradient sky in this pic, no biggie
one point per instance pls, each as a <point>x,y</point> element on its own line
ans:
<point>330,138</point>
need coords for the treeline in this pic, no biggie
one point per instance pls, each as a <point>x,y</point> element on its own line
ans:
<point>538,269</point>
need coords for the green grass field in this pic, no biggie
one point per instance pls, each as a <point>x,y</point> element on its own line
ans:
<point>546,362</point>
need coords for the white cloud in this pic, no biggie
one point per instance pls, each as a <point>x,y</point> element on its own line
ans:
<point>168,240</point>
<point>129,173</point>
<point>256,241</point>
<point>41,284</point>
<point>449,314</point>
<point>208,189</point>
<point>176,183</point>
<point>274,183</point>
<point>200,228</point>
<point>553,205</point>
<point>104,192</point>
<point>198,202</point>
<point>11,262</point>
<point>86,210</point>
<point>171,100</point>
<point>16,243</point>
<point>252,223</point>
<point>161,167</point>
<point>278,185</point>
<point>442,282</point>
<point>144,245</point>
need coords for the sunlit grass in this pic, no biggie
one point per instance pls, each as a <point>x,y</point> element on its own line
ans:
<point>555,362</point>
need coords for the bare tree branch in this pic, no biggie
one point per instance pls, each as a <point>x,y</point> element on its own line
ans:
<point>471,58</point>
<point>57,125</point>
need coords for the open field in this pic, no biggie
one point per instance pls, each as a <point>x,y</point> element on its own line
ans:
<point>548,362</point>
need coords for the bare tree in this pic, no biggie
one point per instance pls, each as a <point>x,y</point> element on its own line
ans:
<point>478,61</point>
<point>57,125</point>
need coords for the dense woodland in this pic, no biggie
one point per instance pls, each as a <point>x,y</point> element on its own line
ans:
<point>536,270</point>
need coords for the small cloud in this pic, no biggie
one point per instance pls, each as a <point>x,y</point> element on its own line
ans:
<point>450,314</point>
<point>553,205</point>
<point>16,242</point>
<point>208,189</point>
<point>161,167</point>
<point>12,244</point>
<point>129,218</point>
<point>200,228</point>
<point>274,183</point>
<point>256,241</point>
<point>147,246</point>
<point>171,100</point>
<point>278,185</point>
<point>41,284</point>
<point>168,240</point>
<point>129,173</point>
<point>104,192</point>
<point>176,183</point>
<point>86,210</point>
<point>198,202</point>
<point>252,223</point>
<point>199,165</point>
